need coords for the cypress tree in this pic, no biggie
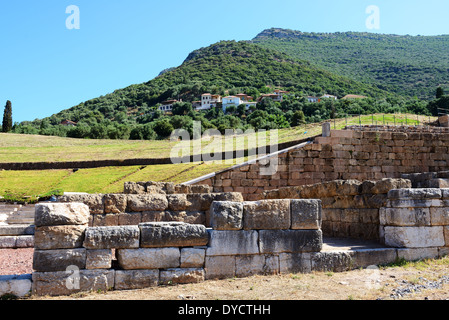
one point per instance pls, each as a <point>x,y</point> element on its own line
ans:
<point>7,117</point>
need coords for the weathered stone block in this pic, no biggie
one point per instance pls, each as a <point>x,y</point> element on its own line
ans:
<point>332,261</point>
<point>411,217</point>
<point>172,234</point>
<point>56,214</point>
<point>178,202</point>
<point>182,276</point>
<point>16,229</point>
<point>294,263</point>
<point>414,237</point>
<point>226,215</point>
<point>398,194</point>
<point>65,283</point>
<point>129,218</point>
<point>93,201</point>
<point>373,257</point>
<point>59,237</point>
<point>414,203</point>
<point>99,259</point>
<point>112,237</point>
<point>219,267</point>
<point>190,217</point>
<point>115,203</point>
<point>439,216</point>
<point>192,257</point>
<point>266,214</point>
<point>17,285</point>
<point>223,243</point>
<point>158,258</point>
<point>136,279</point>
<point>305,214</point>
<point>249,265</point>
<point>278,241</point>
<point>58,260</point>
<point>414,254</point>
<point>385,185</point>
<point>147,202</point>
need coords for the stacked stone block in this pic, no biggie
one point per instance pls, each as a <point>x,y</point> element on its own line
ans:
<point>370,153</point>
<point>263,237</point>
<point>133,209</point>
<point>350,208</point>
<point>416,220</point>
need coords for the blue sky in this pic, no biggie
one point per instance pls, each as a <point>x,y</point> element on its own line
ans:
<point>46,68</point>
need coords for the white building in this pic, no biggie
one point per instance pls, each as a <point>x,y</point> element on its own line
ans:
<point>167,106</point>
<point>209,101</point>
<point>230,101</point>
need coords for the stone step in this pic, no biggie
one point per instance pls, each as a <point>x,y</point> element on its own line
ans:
<point>18,285</point>
<point>16,230</point>
<point>16,242</point>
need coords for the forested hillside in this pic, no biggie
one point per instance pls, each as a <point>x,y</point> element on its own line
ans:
<point>406,65</point>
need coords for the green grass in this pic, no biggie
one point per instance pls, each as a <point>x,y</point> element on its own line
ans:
<point>22,148</point>
<point>33,148</point>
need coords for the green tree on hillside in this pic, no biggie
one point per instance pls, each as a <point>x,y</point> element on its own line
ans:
<point>440,92</point>
<point>7,118</point>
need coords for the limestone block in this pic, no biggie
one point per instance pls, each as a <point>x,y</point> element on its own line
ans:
<point>25,242</point>
<point>172,234</point>
<point>226,215</point>
<point>414,203</point>
<point>332,261</point>
<point>178,202</point>
<point>115,203</point>
<point>414,237</point>
<point>439,216</point>
<point>249,265</point>
<point>223,243</point>
<point>397,194</point>
<point>112,237</point>
<point>182,276</point>
<point>134,188</point>
<point>99,259</point>
<point>147,202</point>
<point>56,214</point>
<point>129,218</point>
<point>93,201</point>
<point>136,279</point>
<point>157,258</point>
<point>191,217</point>
<point>219,267</point>
<point>446,235</point>
<point>192,257</point>
<point>373,257</point>
<point>17,285</point>
<point>405,217</point>
<point>305,214</point>
<point>8,242</point>
<point>16,229</point>
<point>294,263</point>
<point>385,185</point>
<point>266,214</point>
<point>59,237</point>
<point>414,254</point>
<point>58,260</point>
<point>65,283</point>
<point>278,241</point>
<point>105,220</point>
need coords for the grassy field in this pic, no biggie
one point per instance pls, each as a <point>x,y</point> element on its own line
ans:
<point>29,148</point>
<point>32,148</point>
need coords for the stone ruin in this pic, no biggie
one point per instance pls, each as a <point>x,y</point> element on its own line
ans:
<point>161,233</point>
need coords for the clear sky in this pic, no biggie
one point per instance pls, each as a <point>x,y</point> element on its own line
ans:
<point>46,67</point>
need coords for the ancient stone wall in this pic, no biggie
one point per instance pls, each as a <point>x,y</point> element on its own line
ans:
<point>265,237</point>
<point>132,209</point>
<point>416,220</point>
<point>350,208</point>
<point>362,153</point>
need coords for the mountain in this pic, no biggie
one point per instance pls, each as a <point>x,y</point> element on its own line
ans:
<point>406,65</point>
<point>224,67</point>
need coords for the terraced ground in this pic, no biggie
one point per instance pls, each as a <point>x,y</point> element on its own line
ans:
<point>29,148</point>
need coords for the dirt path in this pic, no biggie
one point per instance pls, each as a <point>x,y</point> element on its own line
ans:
<point>415,281</point>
